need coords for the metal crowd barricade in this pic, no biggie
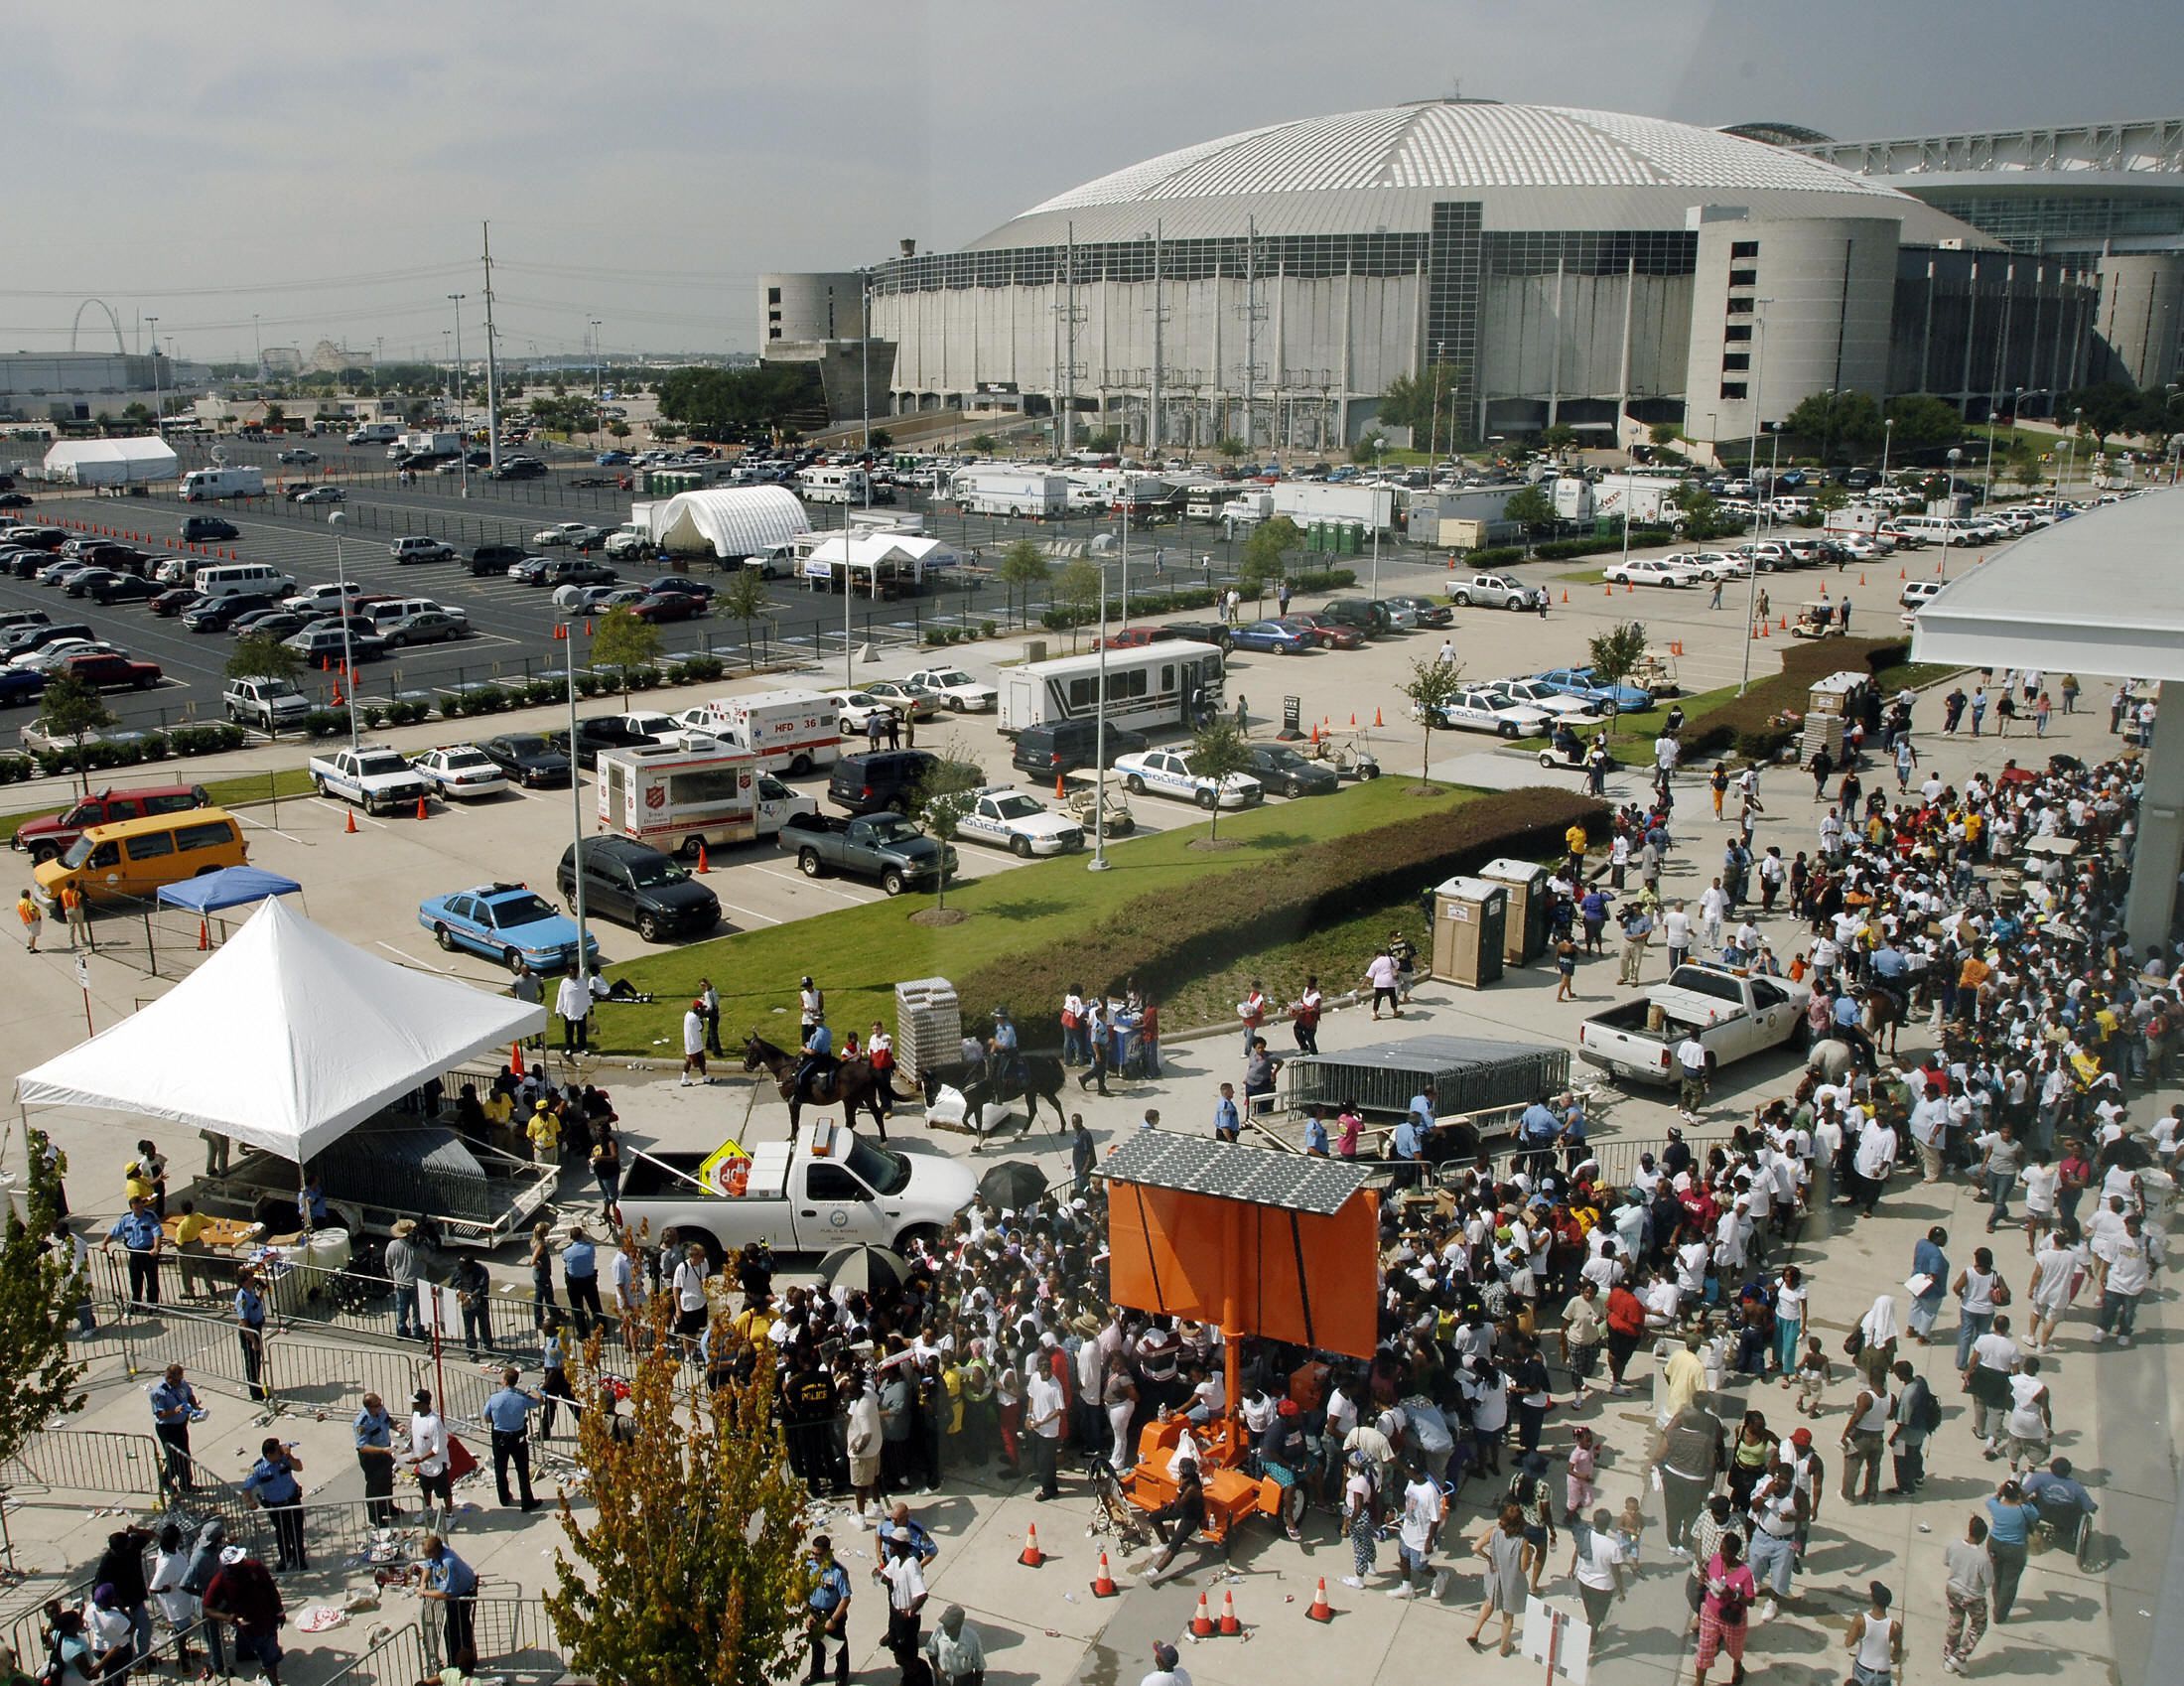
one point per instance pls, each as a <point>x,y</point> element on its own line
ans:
<point>91,1461</point>
<point>393,1659</point>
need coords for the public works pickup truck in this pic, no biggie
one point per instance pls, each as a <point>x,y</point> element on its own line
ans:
<point>1735,1012</point>
<point>374,776</point>
<point>831,1189</point>
<point>886,847</point>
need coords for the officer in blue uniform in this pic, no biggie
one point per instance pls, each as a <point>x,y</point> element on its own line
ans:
<point>374,1433</point>
<point>138,1229</point>
<point>452,1585</point>
<point>827,1613</point>
<point>818,1051</point>
<point>311,1205</point>
<point>273,1488</point>
<point>174,1408</point>
<point>509,1414</point>
<point>250,1330</point>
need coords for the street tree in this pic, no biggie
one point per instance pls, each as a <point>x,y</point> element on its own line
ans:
<point>942,798</point>
<point>1265,557</point>
<point>1923,422</point>
<point>623,642</point>
<point>1615,650</point>
<point>1231,448</point>
<point>73,709</point>
<point>1432,687</point>
<point>982,444</point>
<point>1023,565</point>
<point>1849,420</point>
<point>1217,751</point>
<point>1701,511</point>
<point>40,1290</point>
<point>1664,433</point>
<point>1560,436</point>
<point>1531,508</point>
<point>689,1558</point>
<point>258,655</point>
<point>743,599</point>
<point>1077,595</point>
<point>882,438</point>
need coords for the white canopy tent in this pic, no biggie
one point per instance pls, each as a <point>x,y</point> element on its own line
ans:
<point>729,521</point>
<point>284,1039</point>
<point>112,462</point>
<point>894,555</point>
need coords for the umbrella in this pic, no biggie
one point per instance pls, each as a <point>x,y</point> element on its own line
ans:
<point>864,1267</point>
<point>1012,1185</point>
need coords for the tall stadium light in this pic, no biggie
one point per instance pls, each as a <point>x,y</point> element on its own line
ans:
<point>1759,387</point>
<point>338,521</point>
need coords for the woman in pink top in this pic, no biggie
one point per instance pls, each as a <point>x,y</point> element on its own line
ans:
<point>1347,1124</point>
<point>1725,1611</point>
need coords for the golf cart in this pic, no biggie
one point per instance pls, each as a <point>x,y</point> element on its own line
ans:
<point>1568,751</point>
<point>1350,759</point>
<point>1087,794</point>
<point>1816,621</point>
<point>1656,673</point>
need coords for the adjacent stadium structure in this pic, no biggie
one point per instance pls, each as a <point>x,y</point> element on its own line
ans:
<point>1590,268</point>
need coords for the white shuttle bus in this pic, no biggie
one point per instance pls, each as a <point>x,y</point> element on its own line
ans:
<point>1172,685</point>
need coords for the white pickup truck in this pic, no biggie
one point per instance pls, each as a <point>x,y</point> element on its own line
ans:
<point>1734,1013</point>
<point>371,776</point>
<point>831,1189</point>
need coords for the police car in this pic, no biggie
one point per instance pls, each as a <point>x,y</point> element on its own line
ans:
<point>1006,817</point>
<point>1166,773</point>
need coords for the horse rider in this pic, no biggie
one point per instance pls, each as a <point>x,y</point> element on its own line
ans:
<point>1007,1065</point>
<point>818,1055</point>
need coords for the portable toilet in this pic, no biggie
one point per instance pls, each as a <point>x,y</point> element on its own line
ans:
<point>1470,917</point>
<point>1525,940</point>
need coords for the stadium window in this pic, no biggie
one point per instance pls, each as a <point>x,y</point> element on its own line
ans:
<point>1732,389</point>
<point>1737,331</point>
<point>1742,249</point>
<point>1737,362</point>
<point>1743,278</point>
<point>1740,304</point>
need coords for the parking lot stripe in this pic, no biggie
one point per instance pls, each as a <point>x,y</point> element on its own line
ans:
<point>260,825</point>
<point>341,809</point>
<point>826,889</point>
<point>749,914</point>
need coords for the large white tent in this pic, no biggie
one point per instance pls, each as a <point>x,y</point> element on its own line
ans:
<point>912,554</point>
<point>729,521</point>
<point>283,1040</point>
<point>112,462</point>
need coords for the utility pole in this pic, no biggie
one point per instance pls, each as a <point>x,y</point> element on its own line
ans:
<point>1069,367</point>
<point>1251,324</point>
<point>1152,419</point>
<point>492,375</point>
<point>462,423</point>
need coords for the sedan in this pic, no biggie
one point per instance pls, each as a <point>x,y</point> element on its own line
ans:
<point>1166,772</point>
<point>1274,637</point>
<point>1581,682</point>
<point>856,708</point>
<point>603,731</point>
<point>174,599</point>
<point>1427,611</point>
<point>567,533</point>
<point>1279,767</point>
<point>511,924</point>
<point>682,583</point>
<point>50,656</point>
<point>20,686</point>
<point>955,688</point>
<point>295,454</point>
<point>1651,571</point>
<point>321,495</point>
<point>85,582</point>
<point>217,614</point>
<point>127,588</point>
<point>1332,634</point>
<point>270,623</point>
<point>1483,710</point>
<point>460,770</point>
<point>912,700</point>
<point>531,571</point>
<point>14,501</point>
<point>1533,694</point>
<point>527,758</point>
<point>1710,565</point>
<point>663,605</point>
<point>424,626</point>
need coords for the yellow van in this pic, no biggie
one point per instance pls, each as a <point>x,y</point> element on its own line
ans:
<point>132,859</point>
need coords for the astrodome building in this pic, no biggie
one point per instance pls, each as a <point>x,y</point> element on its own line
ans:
<point>1591,268</point>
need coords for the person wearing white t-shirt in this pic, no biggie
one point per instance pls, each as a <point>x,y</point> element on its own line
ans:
<point>1596,1560</point>
<point>1423,1510</point>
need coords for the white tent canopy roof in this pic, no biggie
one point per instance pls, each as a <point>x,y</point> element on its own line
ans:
<point>112,462</point>
<point>870,551</point>
<point>285,1039</point>
<point>734,521</point>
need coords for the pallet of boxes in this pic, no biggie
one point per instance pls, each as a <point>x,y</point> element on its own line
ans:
<point>1830,710</point>
<point>928,1037</point>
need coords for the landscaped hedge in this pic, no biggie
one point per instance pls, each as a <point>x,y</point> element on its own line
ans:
<point>1164,940</point>
<point>1747,724</point>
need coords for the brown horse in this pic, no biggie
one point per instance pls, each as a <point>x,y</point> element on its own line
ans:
<point>848,1085</point>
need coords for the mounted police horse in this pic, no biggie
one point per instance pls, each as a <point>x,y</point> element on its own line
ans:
<point>1036,1078</point>
<point>849,1084</point>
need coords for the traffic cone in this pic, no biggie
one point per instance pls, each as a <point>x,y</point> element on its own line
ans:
<point>1320,1610</point>
<point>515,1057</point>
<point>1032,1557</point>
<point>705,865</point>
<point>1782,623</point>
<point>1628,588</point>
<point>1566,593</point>
<point>1903,573</point>
<point>1377,721</point>
<point>1862,576</point>
<point>1606,590</point>
<point>420,808</point>
<point>587,628</point>
<point>1103,1585</point>
<point>1229,1624</point>
<point>1353,718</point>
<point>1202,1622</point>
<point>1063,794</point>
<point>1763,629</point>
<point>351,828</point>
<point>204,936</point>
<point>1315,734</point>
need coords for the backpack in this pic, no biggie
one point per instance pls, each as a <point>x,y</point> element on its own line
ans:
<point>1926,1415</point>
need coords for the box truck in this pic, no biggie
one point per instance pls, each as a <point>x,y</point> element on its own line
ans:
<point>427,441</point>
<point>374,433</point>
<point>1306,501</point>
<point>789,731</point>
<point>675,798</point>
<point>200,484</point>
<point>1640,498</point>
<point>1033,493</point>
<point>830,485</point>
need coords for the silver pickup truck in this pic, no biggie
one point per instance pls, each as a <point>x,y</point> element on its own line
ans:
<point>1734,1013</point>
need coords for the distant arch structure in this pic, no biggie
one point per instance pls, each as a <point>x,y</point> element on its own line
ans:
<point>120,345</point>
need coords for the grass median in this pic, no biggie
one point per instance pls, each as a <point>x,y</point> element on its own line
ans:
<point>859,954</point>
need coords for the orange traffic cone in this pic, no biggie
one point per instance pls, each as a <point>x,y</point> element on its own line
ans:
<point>1628,588</point>
<point>515,1057</point>
<point>350,828</point>
<point>1763,629</point>
<point>705,863</point>
<point>1862,576</point>
<point>1320,1610</point>
<point>1061,792</point>
<point>1566,593</point>
<point>1103,1585</point>
<point>421,808</point>
<point>1202,1622</point>
<point>1903,573</point>
<point>1032,1557</point>
<point>587,628</point>
<point>1315,734</point>
<point>204,936</point>
<point>1782,623</point>
<point>1377,721</point>
<point>1229,1624</point>
<point>1606,590</point>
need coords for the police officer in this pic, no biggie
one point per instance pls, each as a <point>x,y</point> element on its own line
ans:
<point>273,1488</point>
<point>311,1210</point>
<point>818,1051</point>
<point>174,1408</point>
<point>509,1412</point>
<point>250,1330</point>
<point>580,1276</point>
<point>827,1613</point>
<point>452,1585</point>
<point>1003,1046</point>
<point>375,1432</point>
<point>138,1229</point>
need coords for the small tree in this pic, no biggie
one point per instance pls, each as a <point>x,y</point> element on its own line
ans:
<point>1264,558</point>
<point>1022,564</point>
<point>1077,594</point>
<point>275,415</point>
<point>1106,442</point>
<point>882,438</point>
<point>623,642</point>
<point>1432,687</point>
<point>944,796</point>
<point>618,429</point>
<point>1561,437</point>
<point>1664,433</point>
<point>39,1294</point>
<point>1218,751</point>
<point>1616,652</point>
<point>743,599</point>
<point>72,708</point>
<point>688,1559</point>
<point>1531,508</point>
<point>982,444</point>
<point>1232,448</point>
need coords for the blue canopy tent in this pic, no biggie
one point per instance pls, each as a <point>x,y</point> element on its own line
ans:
<point>230,887</point>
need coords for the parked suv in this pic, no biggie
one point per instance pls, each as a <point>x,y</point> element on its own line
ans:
<point>1370,617</point>
<point>43,839</point>
<point>1067,744</point>
<point>495,559</point>
<point>417,548</point>
<point>635,883</point>
<point>205,529</point>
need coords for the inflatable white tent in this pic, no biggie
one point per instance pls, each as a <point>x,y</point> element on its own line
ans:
<point>112,462</point>
<point>728,520</point>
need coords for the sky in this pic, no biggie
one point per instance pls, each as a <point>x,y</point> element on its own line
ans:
<point>326,171</point>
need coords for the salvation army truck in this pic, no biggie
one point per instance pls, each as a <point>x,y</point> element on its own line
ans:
<point>676,799</point>
<point>789,731</point>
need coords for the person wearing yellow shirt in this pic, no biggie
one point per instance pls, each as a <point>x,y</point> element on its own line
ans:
<point>190,1231</point>
<point>499,1109</point>
<point>544,1131</point>
<point>135,1184</point>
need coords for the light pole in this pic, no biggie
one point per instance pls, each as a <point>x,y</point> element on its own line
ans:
<point>1380,445</point>
<point>582,963</point>
<point>1752,590</point>
<point>462,425</point>
<point>2070,450</point>
<point>257,347</point>
<point>158,404</point>
<point>1887,437</point>
<point>1098,862</point>
<point>598,382</point>
<point>1432,434</point>
<point>1953,455</point>
<point>338,521</point>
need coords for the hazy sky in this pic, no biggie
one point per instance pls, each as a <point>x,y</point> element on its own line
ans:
<point>326,168</point>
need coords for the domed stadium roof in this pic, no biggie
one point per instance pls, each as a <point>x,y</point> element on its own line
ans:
<point>1528,166</point>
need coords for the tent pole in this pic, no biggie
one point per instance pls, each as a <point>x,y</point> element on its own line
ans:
<point>151,947</point>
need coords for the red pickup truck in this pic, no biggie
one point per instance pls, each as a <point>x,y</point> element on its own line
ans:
<point>111,672</point>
